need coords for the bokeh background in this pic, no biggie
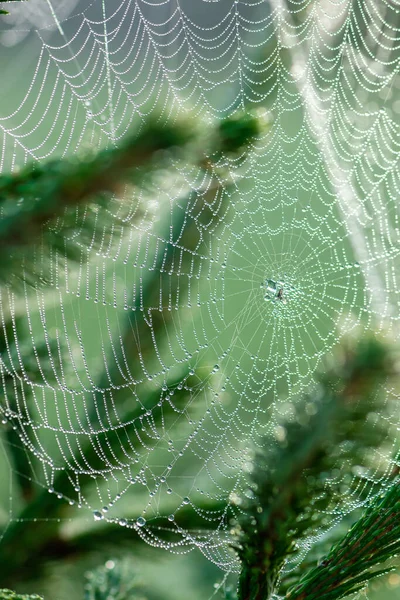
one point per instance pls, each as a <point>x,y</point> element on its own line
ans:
<point>315,208</point>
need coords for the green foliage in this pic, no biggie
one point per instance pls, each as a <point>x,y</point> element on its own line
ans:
<point>114,581</point>
<point>334,425</point>
<point>351,562</point>
<point>40,363</point>
<point>39,204</point>
<point>331,428</point>
<point>5,12</point>
<point>9,595</point>
<point>61,188</point>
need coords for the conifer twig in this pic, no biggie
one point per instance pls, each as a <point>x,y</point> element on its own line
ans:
<point>5,12</point>
<point>38,366</point>
<point>10,595</point>
<point>373,539</point>
<point>290,495</point>
<point>231,136</point>
<point>38,204</point>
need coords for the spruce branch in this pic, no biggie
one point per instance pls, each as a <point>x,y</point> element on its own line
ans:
<point>349,565</point>
<point>290,497</point>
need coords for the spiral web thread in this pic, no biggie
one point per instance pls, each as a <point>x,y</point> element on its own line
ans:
<point>305,247</point>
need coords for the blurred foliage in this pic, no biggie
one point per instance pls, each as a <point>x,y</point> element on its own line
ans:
<point>33,201</point>
<point>5,12</point>
<point>114,581</point>
<point>9,595</point>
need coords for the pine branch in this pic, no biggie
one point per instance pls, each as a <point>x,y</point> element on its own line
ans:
<point>290,474</point>
<point>185,244</point>
<point>5,12</point>
<point>39,362</point>
<point>8,594</point>
<point>31,534</point>
<point>39,204</point>
<point>373,539</point>
<point>106,450</point>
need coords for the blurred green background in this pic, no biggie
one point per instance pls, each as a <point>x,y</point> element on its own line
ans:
<point>60,97</point>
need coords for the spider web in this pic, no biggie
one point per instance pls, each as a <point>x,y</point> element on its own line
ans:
<point>303,247</point>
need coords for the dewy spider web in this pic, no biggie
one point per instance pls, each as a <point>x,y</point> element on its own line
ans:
<point>303,245</point>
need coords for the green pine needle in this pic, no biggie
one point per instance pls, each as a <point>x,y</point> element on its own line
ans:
<point>290,495</point>
<point>5,12</point>
<point>8,594</point>
<point>350,564</point>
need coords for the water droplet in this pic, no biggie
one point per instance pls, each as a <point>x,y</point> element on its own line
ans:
<point>97,515</point>
<point>140,522</point>
<point>186,500</point>
<point>216,368</point>
<point>123,522</point>
<point>169,491</point>
<point>171,518</point>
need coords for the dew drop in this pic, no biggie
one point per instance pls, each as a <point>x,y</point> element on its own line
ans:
<point>186,500</point>
<point>97,515</point>
<point>140,522</point>
<point>171,518</point>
